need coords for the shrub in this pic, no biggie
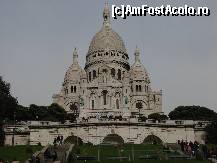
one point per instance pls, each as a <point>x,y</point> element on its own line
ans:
<point>199,155</point>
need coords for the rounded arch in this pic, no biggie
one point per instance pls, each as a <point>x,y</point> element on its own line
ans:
<point>73,140</point>
<point>136,101</point>
<point>152,139</point>
<point>113,139</point>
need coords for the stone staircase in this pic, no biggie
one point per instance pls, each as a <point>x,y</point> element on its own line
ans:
<point>61,151</point>
<point>46,155</point>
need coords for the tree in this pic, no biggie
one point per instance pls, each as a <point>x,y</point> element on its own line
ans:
<point>192,113</point>
<point>74,109</point>
<point>211,131</point>
<point>8,103</point>
<point>71,117</point>
<point>163,117</point>
<point>157,116</point>
<point>29,150</point>
<point>38,112</point>
<point>9,107</point>
<point>23,113</point>
<point>142,118</point>
<point>2,135</point>
<point>57,112</point>
<point>139,106</point>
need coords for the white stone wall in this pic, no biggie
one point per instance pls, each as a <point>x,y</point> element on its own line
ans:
<point>18,139</point>
<point>134,133</point>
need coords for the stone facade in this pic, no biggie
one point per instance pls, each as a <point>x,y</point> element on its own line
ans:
<point>108,85</point>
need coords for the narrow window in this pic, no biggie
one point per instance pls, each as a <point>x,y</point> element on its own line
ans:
<point>137,88</point>
<point>104,70</point>
<point>72,89</point>
<point>119,74</point>
<point>104,97</point>
<point>94,74</point>
<point>113,72</point>
<point>117,103</point>
<point>75,89</point>
<point>92,104</point>
<point>140,88</point>
<point>89,76</point>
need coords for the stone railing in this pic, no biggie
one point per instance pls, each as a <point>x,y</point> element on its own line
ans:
<point>69,151</point>
<point>20,128</point>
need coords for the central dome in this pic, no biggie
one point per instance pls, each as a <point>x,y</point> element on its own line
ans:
<point>106,39</point>
<point>107,47</point>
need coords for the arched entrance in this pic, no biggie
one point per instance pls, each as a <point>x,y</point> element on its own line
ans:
<point>113,139</point>
<point>73,140</point>
<point>152,139</point>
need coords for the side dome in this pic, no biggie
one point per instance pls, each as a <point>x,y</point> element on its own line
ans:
<point>74,72</point>
<point>138,71</point>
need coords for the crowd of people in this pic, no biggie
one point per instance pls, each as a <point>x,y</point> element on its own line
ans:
<point>58,140</point>
<point>189,148</point>
<point>51,155</point>
<point>193,148</point>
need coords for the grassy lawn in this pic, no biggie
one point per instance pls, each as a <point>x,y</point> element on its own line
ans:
<point>130,152</point>
<point>149,161</point>
<point>19,152</point>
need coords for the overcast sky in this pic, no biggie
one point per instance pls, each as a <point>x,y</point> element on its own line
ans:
<point>37,38</point>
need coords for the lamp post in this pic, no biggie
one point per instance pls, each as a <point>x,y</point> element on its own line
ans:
<point>98,153</point>
<point>13,137</point>
<point>98,150</point>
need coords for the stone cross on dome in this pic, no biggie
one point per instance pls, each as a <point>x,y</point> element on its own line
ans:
<point>106,16</point>
<point>75,56</point>
<point>137,55</point>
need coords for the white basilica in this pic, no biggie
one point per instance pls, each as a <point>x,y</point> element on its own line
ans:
<point>107,97</point>
<point>108,84</point>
